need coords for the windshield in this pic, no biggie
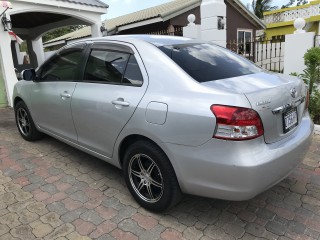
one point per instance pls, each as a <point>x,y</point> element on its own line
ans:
<point>207,62</point>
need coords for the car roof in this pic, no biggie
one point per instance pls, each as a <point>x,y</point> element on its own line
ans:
<point>157,40</point>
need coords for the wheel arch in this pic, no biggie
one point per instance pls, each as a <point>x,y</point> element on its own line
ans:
<point>16,100</point>
<point>130,139</point>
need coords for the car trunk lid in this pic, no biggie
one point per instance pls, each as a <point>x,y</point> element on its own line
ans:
<point>278,99</point>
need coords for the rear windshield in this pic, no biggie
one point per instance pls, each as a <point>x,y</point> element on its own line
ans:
<point>207,62</point>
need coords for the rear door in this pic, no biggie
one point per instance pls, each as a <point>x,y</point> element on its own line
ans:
<point>52,92</point>
<point>112,87</point>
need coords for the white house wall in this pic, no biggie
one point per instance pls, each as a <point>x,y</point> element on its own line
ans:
<point>81,14</point>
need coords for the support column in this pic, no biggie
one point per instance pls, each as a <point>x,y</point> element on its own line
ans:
<point>296,45</point>
<point>37,46</point>
<point>9,74</point>
<point>95,30</point>
<point>213,21</point>
<point>32,54</point>
<point>14,54</point>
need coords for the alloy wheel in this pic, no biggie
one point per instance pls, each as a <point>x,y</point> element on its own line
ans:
<point>23,121</point>
<point>146,178</point>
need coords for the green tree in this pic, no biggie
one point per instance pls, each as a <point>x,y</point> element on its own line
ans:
<point>291,3</point>
<point>60,32</point>
<point>261,6</point>
<point>311,74</point>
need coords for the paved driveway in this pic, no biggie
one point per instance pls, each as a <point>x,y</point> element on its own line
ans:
<point>49,190</point>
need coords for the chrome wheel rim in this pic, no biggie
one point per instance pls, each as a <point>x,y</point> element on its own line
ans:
<point>145,178</point>
<point>23,121</point>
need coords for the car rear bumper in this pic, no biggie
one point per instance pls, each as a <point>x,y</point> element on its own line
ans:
<point>233,170</point>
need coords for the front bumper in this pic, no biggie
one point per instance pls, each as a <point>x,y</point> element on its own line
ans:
<point>233,170</point>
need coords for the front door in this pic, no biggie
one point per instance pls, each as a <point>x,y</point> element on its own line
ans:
<point>51,94</point>
<point>108,96</point>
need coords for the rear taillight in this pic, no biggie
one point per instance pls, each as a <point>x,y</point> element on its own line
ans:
<point>236,123</point>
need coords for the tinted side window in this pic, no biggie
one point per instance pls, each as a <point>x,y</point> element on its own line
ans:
<point>62,67</point>
<point>133,74</point>
<point>106,66</point>
<point>206,62</point>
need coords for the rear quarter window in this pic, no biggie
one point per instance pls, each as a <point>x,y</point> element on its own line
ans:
<point>207,62</point>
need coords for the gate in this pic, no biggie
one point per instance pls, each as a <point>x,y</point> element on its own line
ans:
<point>268,54</point>
<point>171,31</point>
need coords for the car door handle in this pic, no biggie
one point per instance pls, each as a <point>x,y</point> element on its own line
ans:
<point>120,103</point>
<point>65,95</point>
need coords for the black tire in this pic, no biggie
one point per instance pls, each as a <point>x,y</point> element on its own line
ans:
<point>25,123</point>
<point>156,171</point>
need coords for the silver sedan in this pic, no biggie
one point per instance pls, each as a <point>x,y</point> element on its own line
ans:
<point>177,115</point>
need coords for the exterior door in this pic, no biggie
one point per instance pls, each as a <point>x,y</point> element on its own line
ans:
<point>104,102</point>
<point>51,95</point>
<point>244,42</point>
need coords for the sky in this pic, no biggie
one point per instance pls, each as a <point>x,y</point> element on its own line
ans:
<point>122,7</point>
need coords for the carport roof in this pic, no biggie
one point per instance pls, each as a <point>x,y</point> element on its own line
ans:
<point>164,12</point>
<point>95,3</point>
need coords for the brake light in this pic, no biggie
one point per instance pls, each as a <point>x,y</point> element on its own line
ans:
<point>236,123</point>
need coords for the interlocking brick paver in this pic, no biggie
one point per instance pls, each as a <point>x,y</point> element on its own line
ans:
<point>92,216</point>
<point>121,235</point>
<point>234,230</point>
<point>19,206</point>
<point>22,232</point>
<point>84,227</point>
<point>255,229</point>
<point>52,218</point>
<point>49,190</point>
<point>40,229</point>
<point>77,236</point>
<point>57,207</point>
<point>192,233</point>
<point>103,228</point>
<point>171,222</point>
<point>171,234</point>
<point>129,225</point>
<point>145,222</point>
<point>4,229</point>
<point>93,203</point>
<point>79,196</point>
<point>25,216</point>
<point>61,231</point>
<point>37,207</point>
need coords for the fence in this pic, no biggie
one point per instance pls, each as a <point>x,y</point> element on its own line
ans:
<point>268,54</point>
<point>317,41</point>
<point>172,31</point>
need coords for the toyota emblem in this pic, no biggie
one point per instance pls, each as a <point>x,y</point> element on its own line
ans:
<point>293,92</point>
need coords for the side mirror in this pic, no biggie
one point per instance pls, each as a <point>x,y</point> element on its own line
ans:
<point>28,74</point>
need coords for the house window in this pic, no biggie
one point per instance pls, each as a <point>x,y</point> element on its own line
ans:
<point>244,41</point>
<point>280,38</point>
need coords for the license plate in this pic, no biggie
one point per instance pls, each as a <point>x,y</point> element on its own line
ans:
<point>290,120</point>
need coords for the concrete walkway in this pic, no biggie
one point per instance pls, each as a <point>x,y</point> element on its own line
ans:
<point>49,190</point>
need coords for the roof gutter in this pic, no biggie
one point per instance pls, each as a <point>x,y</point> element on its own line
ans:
<point>54,43</point>
<point>139,24</point>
